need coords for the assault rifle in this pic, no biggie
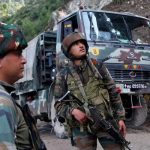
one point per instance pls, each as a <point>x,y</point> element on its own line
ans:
<point>100,122</point>
<point>97,121</point>
<point>36,141</point>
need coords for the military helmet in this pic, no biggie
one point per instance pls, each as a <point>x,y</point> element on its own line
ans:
<point>11,38</point>
<point>70,39</point>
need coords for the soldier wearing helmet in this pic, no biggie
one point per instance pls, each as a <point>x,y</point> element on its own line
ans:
<point>93,85</point>
<point>14,132</point>
<point>74,39</point>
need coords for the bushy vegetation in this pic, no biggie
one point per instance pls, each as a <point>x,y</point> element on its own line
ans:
<point>34,17</point>
<point>9,8</point>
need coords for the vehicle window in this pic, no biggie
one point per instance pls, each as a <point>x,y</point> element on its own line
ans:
<point>113,27</point>
<point>141,33</point>
<point>118,27</point>
<point>104,26</point>
<point>68,26</point>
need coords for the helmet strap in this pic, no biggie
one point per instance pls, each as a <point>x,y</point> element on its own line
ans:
<point>73,58</point>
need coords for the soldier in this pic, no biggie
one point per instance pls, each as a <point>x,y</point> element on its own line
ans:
<point>91,86</point>
<point>14,132</point>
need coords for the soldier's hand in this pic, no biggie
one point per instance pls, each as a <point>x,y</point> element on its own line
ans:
<point>122,127</point>
<point>79,115</point>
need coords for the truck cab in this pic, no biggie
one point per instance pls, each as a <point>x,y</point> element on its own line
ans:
<point>122,42</point>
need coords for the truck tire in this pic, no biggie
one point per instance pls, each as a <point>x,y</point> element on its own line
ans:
<point>137,116</point>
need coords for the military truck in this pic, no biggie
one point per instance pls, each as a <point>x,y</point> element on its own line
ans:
<point>120,40</point>
<point>36,86</point>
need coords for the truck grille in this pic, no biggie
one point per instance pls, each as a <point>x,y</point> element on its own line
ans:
<point>125,75</point>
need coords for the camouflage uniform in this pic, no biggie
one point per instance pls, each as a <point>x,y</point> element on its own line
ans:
<point>100,91</point>
<point>14,133</point>
<point>11,38</point>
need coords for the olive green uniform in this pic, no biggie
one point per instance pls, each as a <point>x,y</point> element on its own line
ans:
<point>94,87</point>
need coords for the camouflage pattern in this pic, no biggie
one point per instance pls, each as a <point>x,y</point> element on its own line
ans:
<point>88,141</point>
<point>96,89</point>
<point>11,38</point>
<point>14,133</point>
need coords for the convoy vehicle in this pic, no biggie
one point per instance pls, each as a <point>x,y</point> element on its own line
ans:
<point>36,85</point>
<point>120,40</point>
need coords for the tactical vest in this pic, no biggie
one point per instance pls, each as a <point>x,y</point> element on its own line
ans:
<point>94,90</point>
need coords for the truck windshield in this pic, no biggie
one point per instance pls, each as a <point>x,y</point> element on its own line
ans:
<point>111,27</point>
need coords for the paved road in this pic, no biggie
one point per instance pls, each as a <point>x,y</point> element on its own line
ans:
<point>139,138</point>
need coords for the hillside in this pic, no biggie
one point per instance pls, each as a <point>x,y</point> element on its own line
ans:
<point>37,15</point>
<point>33,17</point>
<point>10,7</point>
<point>139,7</point>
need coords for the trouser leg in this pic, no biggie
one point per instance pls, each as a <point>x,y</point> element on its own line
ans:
<point>109,143</point>
<point>85,140</point>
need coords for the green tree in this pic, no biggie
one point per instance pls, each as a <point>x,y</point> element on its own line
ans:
<point>34,17</point>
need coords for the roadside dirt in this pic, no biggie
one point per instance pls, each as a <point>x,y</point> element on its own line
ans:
<point>139,138</point>
<point>138,7</point>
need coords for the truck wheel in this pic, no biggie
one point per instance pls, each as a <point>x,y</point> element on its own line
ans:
<point>136,116</point>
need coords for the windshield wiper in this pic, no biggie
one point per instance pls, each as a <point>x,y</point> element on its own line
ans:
<point>128,32</point>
